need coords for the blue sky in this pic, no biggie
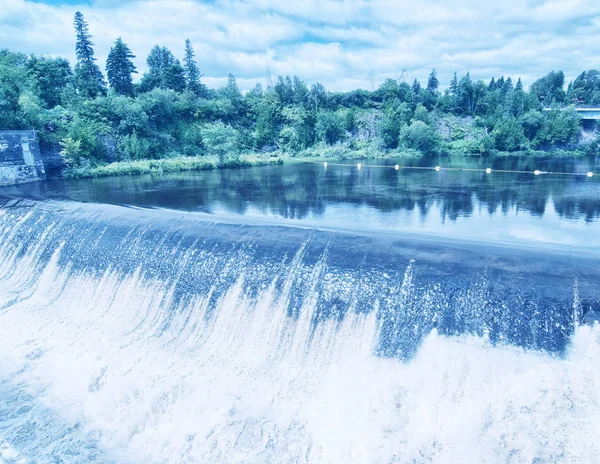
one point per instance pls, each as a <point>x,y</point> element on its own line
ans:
<point>336,42</point>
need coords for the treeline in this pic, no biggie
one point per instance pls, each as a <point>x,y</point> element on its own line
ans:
<point>92,119</point>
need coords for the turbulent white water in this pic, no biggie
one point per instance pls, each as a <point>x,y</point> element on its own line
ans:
<point>111,368</point>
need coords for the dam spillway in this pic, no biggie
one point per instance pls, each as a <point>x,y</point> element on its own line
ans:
<point>136,335</point>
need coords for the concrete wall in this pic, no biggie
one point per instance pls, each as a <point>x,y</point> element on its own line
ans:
<point>20,159</point>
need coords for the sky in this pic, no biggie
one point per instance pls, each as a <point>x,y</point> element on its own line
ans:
<point>335,42</point>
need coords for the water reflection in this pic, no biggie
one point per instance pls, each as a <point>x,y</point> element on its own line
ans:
<point>372,196</point>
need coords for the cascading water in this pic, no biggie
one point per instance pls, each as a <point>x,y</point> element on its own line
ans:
<point>152,336</point>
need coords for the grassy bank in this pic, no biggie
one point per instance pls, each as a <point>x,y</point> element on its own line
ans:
<point>325,153</point>
<point>176,164</point>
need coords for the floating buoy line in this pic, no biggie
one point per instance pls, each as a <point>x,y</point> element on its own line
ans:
<point>397,167</point>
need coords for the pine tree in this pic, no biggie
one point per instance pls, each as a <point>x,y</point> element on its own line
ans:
<point>518,100</point>
<point>231,90</point>
<point>192,73</point>
<point>164,71</point>
<point>454,84</point>
<point>500,82</point>
<point>88,77</point>
<point>119,68</point>
<point>416,87</point>
<point>433,83</point>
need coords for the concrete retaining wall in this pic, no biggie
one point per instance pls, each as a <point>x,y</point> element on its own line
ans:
<point>20,159</point>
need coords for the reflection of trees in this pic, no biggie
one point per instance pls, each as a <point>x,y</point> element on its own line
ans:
<point>299,190</point>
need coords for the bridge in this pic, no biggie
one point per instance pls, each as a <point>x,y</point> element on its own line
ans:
<point>586,113</point>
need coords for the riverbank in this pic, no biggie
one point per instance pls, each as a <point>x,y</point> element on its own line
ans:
<point>328,153</point>
<point>176,164</point>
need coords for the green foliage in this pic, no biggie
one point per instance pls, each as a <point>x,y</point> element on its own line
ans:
<point>119,68</point>
<point>559,128</point>
<point>171,113</point>
<point>433,83</point>
<point>550,88</point>
<point>220,140</point>
<point>330,127</point>
<point>132,147</point>
<point>419,136</point>
<point>192,72</point>
<point>71,151</point>
<point>421,114</point>
<point>50,76</point>
<point>88,77</point>
<point>298,131</point>
<point>164,71</point>
<point>508,135</point>
<point>396,116</point>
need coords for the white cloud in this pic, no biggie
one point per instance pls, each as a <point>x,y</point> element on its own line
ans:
<point>332,41</point>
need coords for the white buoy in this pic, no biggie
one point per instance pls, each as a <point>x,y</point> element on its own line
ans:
<point>396,167</point>
<point>590,174</point>
<point>536,172</point>
<point>437,168</point>
<point>359,165</point>
<point>325,164</point>
<point>488,171</point>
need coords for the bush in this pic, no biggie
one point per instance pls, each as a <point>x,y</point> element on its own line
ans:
<point>419,136</point>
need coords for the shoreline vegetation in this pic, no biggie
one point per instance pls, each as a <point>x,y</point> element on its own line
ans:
<point>208,163</point>
<point>93,124</point>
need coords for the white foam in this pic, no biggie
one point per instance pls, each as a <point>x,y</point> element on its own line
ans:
<point>249,384</point>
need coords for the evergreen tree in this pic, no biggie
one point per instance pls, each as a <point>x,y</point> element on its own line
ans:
<point>192,73</point>
<point>492,85</point>
<point>433,83</point>
<point>416,87</point>
<point>518,100</point>
<point>164,71</point>
<point>454,84</point>
<point>231,90</point>
<point>500,82</point>
<point>89,78</point>
<point>119,68</point>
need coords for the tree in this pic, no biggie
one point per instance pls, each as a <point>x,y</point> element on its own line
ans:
<point>550,88</point>
<point>192,73</point>
<point>395,117</point>
<point>51,76</point>
<point>421,114</point>
<point>433,83</point>
<point>300,91</point>
<point>318,96</point>
<point>330,127</point>
<point>419,136</point>
<point>560,127</point>
<point>89,78</point>
<point>220,140</point>
<point>518,100</point>
<point>164,71</point>
<point>508,135</point>
<point>454,85</point>
<point>120,67</point>
<point>285,89</point>
<point>415,90</point>
<point>231,90</point>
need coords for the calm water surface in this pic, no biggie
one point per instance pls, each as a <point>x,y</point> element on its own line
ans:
<point>551,209</point>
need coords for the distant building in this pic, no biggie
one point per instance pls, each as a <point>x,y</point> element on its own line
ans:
<point>20,159</point>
